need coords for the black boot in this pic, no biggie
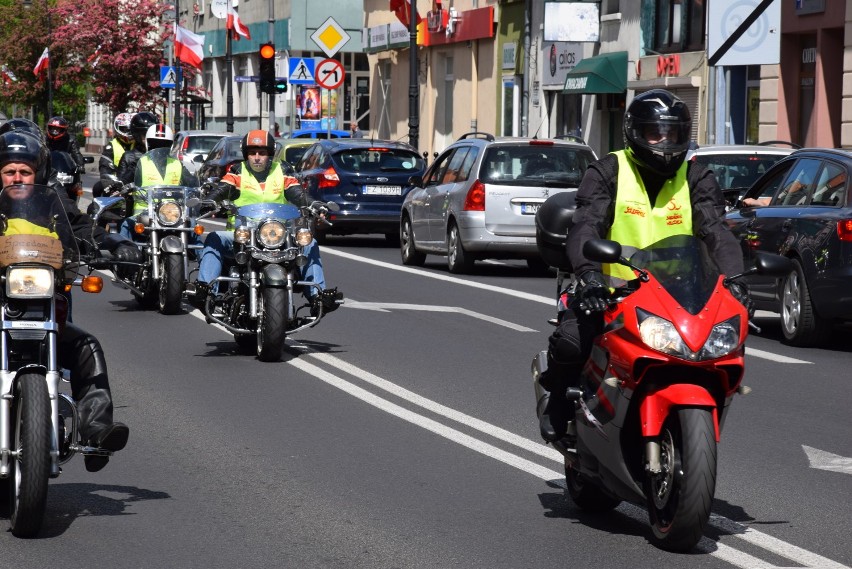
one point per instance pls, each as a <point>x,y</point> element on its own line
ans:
<point>330,299</point>
<point>198,298</point>
<point>554,412</point>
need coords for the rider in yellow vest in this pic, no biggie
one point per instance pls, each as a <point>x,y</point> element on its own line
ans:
<point>259,179</point>
<point>635,196</point>
<point>113,151</point>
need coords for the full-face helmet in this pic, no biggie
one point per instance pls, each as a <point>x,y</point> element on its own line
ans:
<point>121,126</point>
<point>21,146</point>
<point>57,127</point>
<point>159,136</point>
<point>657,127</point>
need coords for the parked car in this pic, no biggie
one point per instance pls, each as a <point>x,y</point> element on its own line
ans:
<point>479,198</point>
<point>318,133</point>
<point>368,179</point>
<point>738,166</point>
<point>224,153</point>
<point>191,143</point>
<point>808,218</point>
<point>292,150</point>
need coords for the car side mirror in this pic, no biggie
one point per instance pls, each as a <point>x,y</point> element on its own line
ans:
<point>416,181</point>
<point>199,158</point>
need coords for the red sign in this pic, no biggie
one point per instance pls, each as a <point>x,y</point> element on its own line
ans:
<point>471,25</point>
<point>668,65</point>
<point>329,74</point>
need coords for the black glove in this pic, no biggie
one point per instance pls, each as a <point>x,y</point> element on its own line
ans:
<point>129,252</point>
<point>740,292</point>
<point>593,292</point>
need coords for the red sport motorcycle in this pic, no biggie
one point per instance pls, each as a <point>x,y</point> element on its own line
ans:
<point>655,391</point>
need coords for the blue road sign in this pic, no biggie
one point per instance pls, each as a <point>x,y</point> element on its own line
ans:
<point>168,77</point>
<point>246,78</point>
<point>301,71</point>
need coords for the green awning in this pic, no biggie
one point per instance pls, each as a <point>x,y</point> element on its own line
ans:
<point>604,73</point>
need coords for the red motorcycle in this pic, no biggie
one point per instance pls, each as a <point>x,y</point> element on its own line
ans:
<point>657,386</point>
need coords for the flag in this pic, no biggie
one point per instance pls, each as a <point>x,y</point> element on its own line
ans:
<point>42,62</point>
<point>237,27</point>
<point>95,57</point>
<point>189,47</point>
<point>402,9</point>
<point>7,75</point>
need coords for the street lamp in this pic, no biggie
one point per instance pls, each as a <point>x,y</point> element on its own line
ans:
<point>29,4</point>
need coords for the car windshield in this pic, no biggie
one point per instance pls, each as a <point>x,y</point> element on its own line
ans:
<point>535,165</point>
<point>378,160</point>
<point>202,144</point>
<point>233,151</point>
<point>293,154</point>
<point>738,170</point>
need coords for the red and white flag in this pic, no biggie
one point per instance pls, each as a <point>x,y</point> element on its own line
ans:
<point>189,47</point>
<point>237,27</point>
<point>402,10</point>
<point>95,57</point>
<point>42,62</point>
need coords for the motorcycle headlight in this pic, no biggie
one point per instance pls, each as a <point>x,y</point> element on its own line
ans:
<point>169,213</point>
<point>29,282</point>
<point>661,335</point>
<point>64,178</point>
<point>242,234</point>
<point>271,234</point>
<point>724,339</point>
<point>304,237</point>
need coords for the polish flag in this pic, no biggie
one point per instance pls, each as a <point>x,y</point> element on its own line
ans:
<point>42,62</point>
<point>236,25</point>
<point>189,47</point>
<point>402,9</point>
<point>7,75</point>
<point>95,57</point>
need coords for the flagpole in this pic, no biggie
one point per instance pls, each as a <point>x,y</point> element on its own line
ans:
<point>49,72</point>
<point>177,70</point>
<point>229,80</point>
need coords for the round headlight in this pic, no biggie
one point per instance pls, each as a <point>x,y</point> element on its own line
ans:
<point>304,237</point>
<point>271,234</point>
<point>169,213</point>
<point>242,234</point>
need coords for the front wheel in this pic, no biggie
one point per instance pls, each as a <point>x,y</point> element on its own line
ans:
<point>801,325</point>
<point>680,497</point>
<point>271,323</point>
<point>171,284</point>
<point>31,462</point>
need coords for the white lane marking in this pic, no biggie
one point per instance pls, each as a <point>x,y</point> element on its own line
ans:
<point>774,357</point>
<point>823,460</point>
<point>387,306</point>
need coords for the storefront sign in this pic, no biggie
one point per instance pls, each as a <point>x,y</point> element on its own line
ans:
<point>668,65</point>
<point>466,25</point>
<point>558,59</point>
<point>509,50</point>
<point>436,20</point>
<point>682,64</point>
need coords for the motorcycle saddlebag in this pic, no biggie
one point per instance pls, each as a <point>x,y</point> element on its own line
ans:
<point>552,222</point>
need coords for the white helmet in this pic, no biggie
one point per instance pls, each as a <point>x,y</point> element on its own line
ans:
<point>121,126</point>
<point>159,136</point>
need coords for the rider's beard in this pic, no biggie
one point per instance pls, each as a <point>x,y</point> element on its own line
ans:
<point>258,167</point>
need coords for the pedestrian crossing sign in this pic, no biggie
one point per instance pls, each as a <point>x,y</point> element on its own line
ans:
<point>168,77</point>
<point>301,71</point>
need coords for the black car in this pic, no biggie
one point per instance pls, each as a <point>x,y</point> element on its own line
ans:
<point>222,155</point>
<point>368,179</point>
<point>801,208</point>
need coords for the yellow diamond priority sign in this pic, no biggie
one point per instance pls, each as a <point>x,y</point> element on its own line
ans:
<point>330,37</point>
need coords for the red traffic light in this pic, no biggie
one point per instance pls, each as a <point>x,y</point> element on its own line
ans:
<point>267,51</point>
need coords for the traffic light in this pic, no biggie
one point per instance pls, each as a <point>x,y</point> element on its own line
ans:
<point>266,53</point>
<point>280,85</point>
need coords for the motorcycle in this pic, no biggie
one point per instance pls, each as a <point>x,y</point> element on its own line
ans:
<point>166,235</point>
<point>67,174</point>
<point>256,299</point>
<point>657,387</point>
<point>39,260</point>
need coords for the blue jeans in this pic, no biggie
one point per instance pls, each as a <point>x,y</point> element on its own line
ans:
<point>219,245</point>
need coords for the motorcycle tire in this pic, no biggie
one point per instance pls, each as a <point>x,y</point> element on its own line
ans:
<point>170,291</point>
<point>587,496</point>
<point>679,499</point>
<point>271,323</point>
<point>31,467</point>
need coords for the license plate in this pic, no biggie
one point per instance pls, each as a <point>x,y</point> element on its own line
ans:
<point>529,208</point>
<point>383,190</point>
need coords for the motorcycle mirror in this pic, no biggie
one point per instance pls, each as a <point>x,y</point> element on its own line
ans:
<point>332,206</point>
<point>193,202</point>
<point>772,264</point>
<point>602,250</point>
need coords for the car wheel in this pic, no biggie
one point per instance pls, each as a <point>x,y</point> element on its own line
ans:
<point>801,325</point>
<point>407,249</point>
<point>458,260</point>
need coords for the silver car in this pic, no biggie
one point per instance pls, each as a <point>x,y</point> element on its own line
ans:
<point>478,199</point>
<point>192,146</point>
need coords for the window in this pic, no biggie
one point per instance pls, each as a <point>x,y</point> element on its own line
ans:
<point>831,185</point>
<point>679,25</point>
<point>452,175</point>
<point>436,172</point>
<point>794,190</point>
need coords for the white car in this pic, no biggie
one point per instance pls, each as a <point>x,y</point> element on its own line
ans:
<point>191,143</point>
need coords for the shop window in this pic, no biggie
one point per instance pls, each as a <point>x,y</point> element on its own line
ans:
<point>679,25</point>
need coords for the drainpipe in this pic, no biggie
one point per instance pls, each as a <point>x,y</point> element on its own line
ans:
<point>525,81</point>
<point>474,79</point>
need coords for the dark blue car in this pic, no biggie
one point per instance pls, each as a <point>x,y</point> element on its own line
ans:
<point>367,178</point>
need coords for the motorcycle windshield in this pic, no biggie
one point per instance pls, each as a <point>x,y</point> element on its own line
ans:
<point>34,228</point>
<point>683,267</point>
<point>63,163</point>
<point>155,195</point>
<point>259,211</point>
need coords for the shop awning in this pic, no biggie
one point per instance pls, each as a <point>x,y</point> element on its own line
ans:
<point>604,73</point>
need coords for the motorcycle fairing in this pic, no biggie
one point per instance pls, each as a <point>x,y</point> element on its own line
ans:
<point>657,405</point>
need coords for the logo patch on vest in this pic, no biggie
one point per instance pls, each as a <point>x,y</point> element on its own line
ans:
<point>635,211</point>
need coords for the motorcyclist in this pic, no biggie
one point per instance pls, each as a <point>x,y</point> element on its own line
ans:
<point>260,179</point>
<point>22,124</point>
<point>58,138</point>
<point>635,196</point>
<point>113,151</point>
<point>139,125</point>
<point>25,160</point>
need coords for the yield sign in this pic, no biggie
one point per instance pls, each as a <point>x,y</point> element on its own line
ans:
<point>329,74</point>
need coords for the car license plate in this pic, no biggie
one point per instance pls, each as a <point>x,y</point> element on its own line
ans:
<point>383,190</point>
<point>529,208</point>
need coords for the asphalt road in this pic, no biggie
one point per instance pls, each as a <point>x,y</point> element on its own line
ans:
<point>400,432</point>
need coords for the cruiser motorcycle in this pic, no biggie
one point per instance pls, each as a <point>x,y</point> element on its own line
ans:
<point>257,294</point>
<point>167,234</point>
<point>657,386</point>
<point>39,261</point>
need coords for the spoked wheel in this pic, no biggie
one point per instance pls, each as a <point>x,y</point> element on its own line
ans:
<point>171,284</point>
<point>680,497</point>
<point>586,495</point>
<point>271,323</point>
<point>801,325</point>
<point>31,460</point>
<point>458,260</point>
<point>408,250</point>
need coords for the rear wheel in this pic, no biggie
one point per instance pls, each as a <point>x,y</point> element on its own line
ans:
<point>171,284</point>
<point>407,248</point>
<point>31,462</point>
<point>458,260</point>
<point>801,325</point>
<point>680,497</point>
<point>586,495</point>
<point>271,323</point>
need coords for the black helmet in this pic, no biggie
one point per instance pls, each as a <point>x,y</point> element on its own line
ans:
<point>140,123</point>
<point>657,127</point>
<point>257,138</point>
<point>20,146</point>
<point>22,125</point>
<point>57,127</point>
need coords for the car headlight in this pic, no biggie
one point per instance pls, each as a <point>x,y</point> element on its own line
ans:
<point>271,234</point>
<point>659,334</point>
<point>304,237</point>
<point>169,213</point>
<point>29,282</point>
<point>242,234</point>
